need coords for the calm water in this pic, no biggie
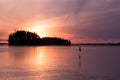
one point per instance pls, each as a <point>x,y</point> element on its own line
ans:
<point>60,63</point>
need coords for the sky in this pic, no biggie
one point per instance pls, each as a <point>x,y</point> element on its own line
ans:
<point>81,21</point>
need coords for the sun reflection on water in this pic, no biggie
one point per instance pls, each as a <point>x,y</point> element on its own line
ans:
<point>40,58</point>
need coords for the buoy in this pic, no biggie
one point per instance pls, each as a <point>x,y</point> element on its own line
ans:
<point>80,49</point>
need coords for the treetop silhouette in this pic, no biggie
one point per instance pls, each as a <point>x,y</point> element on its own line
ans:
<point>31,38</point>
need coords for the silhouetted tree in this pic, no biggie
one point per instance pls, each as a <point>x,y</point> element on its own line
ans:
<point>30,38</point>
<point>54,41</point>
<point>24,38</point>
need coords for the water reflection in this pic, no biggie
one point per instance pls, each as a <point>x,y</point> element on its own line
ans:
<point>28,56</point>
<point>46,63</point>
<point>43,56</point>
<point>54,63</point>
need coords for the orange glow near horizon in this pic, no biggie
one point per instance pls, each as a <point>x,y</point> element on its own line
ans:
<point>44,31</point>
<point>40,29</point>
<point>47,28</point>
<point>37,29</point>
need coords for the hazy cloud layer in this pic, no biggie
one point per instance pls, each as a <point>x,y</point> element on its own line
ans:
<point>83,20</point>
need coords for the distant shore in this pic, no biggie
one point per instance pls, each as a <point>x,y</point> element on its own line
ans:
<point>3,43</point>
<point>85,44</point>
<point>98,44</point>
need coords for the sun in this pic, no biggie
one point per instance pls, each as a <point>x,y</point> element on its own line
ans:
<point>41,28</point>
<point>37,29</point>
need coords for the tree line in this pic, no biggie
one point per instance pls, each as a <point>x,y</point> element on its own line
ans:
<point>31,38</point>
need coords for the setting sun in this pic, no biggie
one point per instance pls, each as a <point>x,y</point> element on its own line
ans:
<point>38,30</point>
<point>41,30</point>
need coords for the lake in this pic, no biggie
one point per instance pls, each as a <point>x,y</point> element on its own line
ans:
<point>59,63</point>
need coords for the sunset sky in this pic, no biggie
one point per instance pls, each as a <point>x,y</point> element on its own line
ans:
<point>80,21</point>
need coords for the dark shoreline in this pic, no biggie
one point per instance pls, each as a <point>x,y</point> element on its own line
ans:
<point>97,44</point>
<point>3,44</point>
<point>82,44</point>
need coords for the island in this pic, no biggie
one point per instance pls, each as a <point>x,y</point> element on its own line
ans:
<point>27,38</point>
